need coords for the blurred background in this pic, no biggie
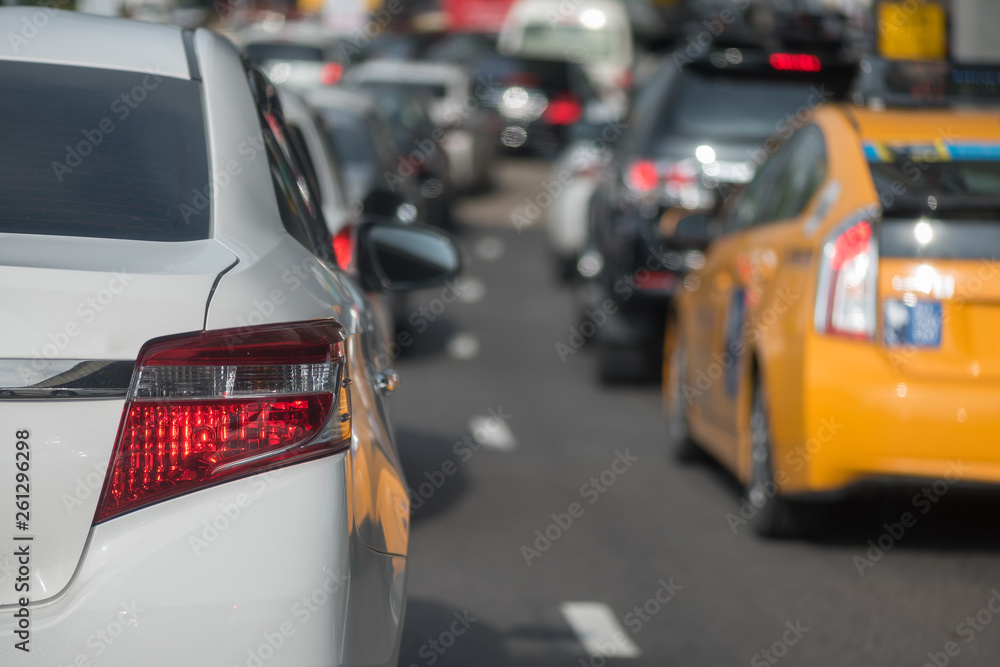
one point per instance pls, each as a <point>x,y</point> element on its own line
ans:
<point>551,525</point>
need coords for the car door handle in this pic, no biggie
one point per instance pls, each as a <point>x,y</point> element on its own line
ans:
<point>387,381</point>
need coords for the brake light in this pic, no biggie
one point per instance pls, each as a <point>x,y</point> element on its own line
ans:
<point>209,407</point>
<point>845,299</point>
<point>680,174</point>
<point>343,247</point>
<point>564,109</point>
<point>642,176</point>
<point>331,73</point>
<point>795,62</point>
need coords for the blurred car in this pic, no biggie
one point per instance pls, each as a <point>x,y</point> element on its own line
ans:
<point>578,168</point>
<point>594,33</point>
<point>694,134</point>
<point>206,400</point>
<point>379,181</point>
<point>538,99</point>
<point>417,138</point>
<point>467,129</point>
<point>841,330</point>
<point>297,56</point>
<point>319,165</point>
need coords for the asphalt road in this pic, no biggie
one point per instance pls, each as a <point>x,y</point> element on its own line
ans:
<point>500,438</point>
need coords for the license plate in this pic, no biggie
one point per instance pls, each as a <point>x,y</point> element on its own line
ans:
<point>917,324</point>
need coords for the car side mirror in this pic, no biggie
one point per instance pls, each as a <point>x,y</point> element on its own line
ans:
<point>402,258</point>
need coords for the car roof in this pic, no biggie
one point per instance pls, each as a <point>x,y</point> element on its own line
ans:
<point>399,70</point>
<point>338,98</point>
<point>72,38</point>
<point>902,125</point>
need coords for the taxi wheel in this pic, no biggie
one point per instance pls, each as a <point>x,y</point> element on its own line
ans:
<point>774,515</point>
<point>678,434</point>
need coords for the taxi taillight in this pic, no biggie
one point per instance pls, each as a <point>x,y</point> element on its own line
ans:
<point>845,294</point>
<point>209,407</point>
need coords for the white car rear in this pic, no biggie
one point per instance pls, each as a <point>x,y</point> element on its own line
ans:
<point>196,461</point>
<point>593,33</point>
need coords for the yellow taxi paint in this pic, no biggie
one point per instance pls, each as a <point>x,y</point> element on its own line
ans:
<point>841,410</point>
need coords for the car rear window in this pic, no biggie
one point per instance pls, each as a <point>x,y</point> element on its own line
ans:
<point>724,107</point>
<point>101,153</point>
<point>350,137</point>
<point>939,210</point>
<point>261,52</point>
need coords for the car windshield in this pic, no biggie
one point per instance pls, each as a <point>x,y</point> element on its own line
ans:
<point>261,52</point>
<point>102,153</point>
<point>725,108</point>
<point>560,38</point>
<point>350,138</point>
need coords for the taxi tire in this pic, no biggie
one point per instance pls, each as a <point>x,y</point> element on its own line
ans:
<point>775,516</point>
<point>679,440</point>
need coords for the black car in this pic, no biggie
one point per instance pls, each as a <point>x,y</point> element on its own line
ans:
<point>407,118</point>
<point>697,130</point>
<point>377,183</point>
<point>538,99</point>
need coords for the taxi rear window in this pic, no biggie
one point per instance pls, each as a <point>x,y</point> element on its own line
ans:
<point>100,153</point>
<point>939,210</point>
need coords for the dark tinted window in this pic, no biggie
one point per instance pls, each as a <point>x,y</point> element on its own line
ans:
<point>803,171</point>
<point>350,137</point>
<point>968,234</point>
<point>101,153</point>
<point>730,108</point>
<point>261,52</point>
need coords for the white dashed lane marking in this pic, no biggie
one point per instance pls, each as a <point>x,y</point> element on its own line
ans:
<point>492,433</point>
<point>598,629</point>
<point>489,248</point>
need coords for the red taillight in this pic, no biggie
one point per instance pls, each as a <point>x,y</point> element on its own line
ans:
<point>331,73</point>
<point>209,407</point>
<point>642,176</point>
<point>343,247</point>
<point>680,175</point>
<point>845,298</point>
<point>795,62</point>
<point>564,109</point>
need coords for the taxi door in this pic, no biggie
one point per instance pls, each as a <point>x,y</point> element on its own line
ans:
<point>757,284</point>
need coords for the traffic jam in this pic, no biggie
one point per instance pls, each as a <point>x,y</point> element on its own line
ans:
<point>499,332</point>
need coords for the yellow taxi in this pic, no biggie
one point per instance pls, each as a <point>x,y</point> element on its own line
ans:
<point>845,327</point>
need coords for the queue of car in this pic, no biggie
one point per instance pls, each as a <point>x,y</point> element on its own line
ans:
<point>230,382</point>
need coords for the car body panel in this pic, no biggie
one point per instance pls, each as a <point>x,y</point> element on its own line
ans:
<point>844,411</point>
